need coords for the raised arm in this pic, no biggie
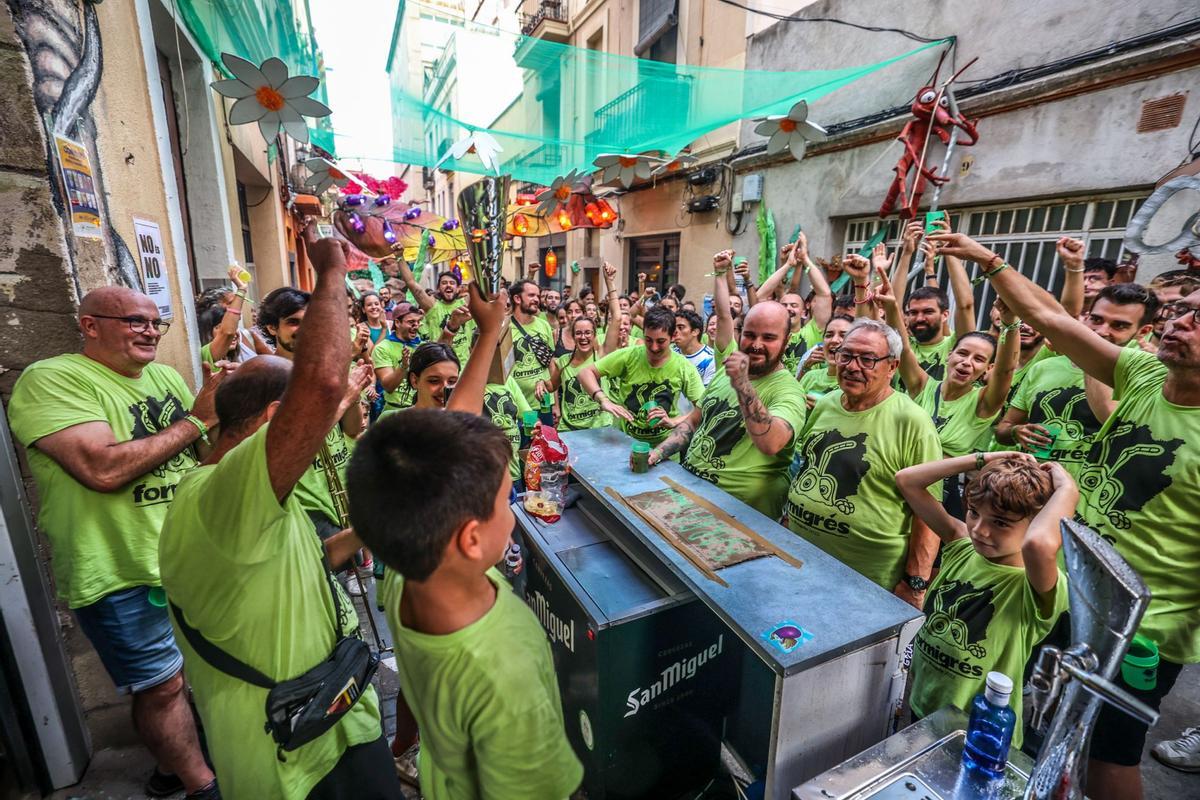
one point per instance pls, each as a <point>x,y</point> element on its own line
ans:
<point>226,332</point>
<point>1008,352</point>
<point>910,237</point>
<point>612,333</point>
<point>1036,306</point>
<point>822,299</point>
<point>859,270</point>
<point>418,292</point>
<point>914,482</point>
<point>1070,252</point>
<point>489,317</point>
<point>317,385</point>
<point>722,263</point>
<point>752,293</point>
<point>1039,550</point>
<point>911,373</point>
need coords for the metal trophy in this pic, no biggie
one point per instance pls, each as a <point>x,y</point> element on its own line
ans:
<point>481,212</point>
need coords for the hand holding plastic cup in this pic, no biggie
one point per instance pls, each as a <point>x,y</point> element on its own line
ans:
<point>1042,452</point>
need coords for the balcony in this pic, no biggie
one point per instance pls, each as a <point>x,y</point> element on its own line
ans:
<point>649,111</point>
<point>548,21</point>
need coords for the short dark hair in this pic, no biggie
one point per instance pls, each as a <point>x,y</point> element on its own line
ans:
<point>278,305</point>
<point>1129,294</point>
<point>450,274</point>
<point>1105,265</point>
<point>429,353</point>
<point>245,394</point>
<point>519,286</point>
<point>987,337</point>
<point>677,289</point>
<point>207,322</point>
<point>843,301</point>
<point>929,293</point>
<point>659,319</point>
<point>691,318</point>
<point>459,459</point>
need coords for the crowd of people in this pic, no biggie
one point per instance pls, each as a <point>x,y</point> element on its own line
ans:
<point>350,437</point>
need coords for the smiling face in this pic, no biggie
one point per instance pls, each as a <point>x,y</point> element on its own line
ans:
<point>372,306</point>
<point>1115,323</point>
<point>924,319</point>
<point>764,337</point>
<point>969,360</point>
<point>658,346</point>
<point>113,340</point>
<point>447,288</point>
<point>433,383</point>
<point>408,326</point>
<point>794,304</point>
<point>585,335</point>
<point>835,334</point>
<point>864,368</point>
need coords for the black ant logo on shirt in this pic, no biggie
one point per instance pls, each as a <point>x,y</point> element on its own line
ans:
<point>834,464</point>
<point>153,415</point>
<point>1126,469</point>
<point>960,617</point>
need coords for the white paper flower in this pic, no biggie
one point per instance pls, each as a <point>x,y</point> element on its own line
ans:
<point>792,132</point>
<point>560,192</point>
<point>625,169</point>
<point>324,175</point>
<point>482,144</point>
<point>681,161</point>
<point>267,95</point>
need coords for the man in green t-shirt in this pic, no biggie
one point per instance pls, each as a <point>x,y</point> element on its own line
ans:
<point>1138,486</point>
<point>392,355</point>
<point>451,294</point>
<point>243,567</point>
<point>648,381</point>
<point>532,338</point>
<point>740,435</point>
<point>109,436</point>
<point>843,497</point>
<point>474,662</point>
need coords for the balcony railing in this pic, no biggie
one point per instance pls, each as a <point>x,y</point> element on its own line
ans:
<point>555,10</point>
<point>639,113</point>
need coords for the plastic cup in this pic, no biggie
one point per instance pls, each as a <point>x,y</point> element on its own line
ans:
<point>1139,669</point>
<point>639,457</point>
<point>1043,453</point>
<point>158,598</point>
<point>244,276</point>
<point>529,419</point>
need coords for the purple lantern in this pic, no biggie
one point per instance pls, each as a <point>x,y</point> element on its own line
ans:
<point>356,222</point>
<point>450,225</point>
<point>389,235</point>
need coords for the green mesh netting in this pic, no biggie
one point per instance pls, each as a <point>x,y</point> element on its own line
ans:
<point>553,107</point>
<point>257,30</point>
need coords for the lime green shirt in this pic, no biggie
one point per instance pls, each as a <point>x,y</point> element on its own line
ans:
<point>249,574</point>
<point>1019,374</point>
<point>722,452</point>
<point>1139,491</point>
<point>431,327</point>
<point>720,355</point>
<point>1052,394</point>
<point>527,370</point>
<point>487,702</point>
<point>980,617</point>
<point>102,542</point>
<point>312,490</point>
<point>959,428</point>
<point>844,498</point>
<point>932,357</point>
<point>578,411</point>
<point>392,354</point>
<point>818,380</point>
<point>635,382</point>
<point>807,335</point>
<point>503,404</point>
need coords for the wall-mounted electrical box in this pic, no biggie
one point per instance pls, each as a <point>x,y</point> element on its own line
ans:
<point>752,188</point>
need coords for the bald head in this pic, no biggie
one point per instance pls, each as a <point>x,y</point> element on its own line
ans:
<point>764,336</point>
<point>245,395</point>
<point>769,314</point>
<point>117,301</point>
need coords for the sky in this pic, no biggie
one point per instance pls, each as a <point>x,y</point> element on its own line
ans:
<point>355,44</point>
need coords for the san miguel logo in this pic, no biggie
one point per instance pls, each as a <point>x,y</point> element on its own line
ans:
<point>682,670</point>
<point>557,630</point>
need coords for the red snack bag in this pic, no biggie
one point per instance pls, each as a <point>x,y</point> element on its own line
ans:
<point>547,459</point>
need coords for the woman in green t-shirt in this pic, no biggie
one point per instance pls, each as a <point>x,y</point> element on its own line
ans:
<point>819,371</point>
<point>573,409</point>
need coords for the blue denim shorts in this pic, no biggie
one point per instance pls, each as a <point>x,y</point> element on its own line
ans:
<point>133,637</point>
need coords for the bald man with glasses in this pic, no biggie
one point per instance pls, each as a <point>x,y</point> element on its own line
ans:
<point>109,435</point>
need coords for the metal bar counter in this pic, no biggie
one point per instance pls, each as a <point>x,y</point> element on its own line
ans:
<point>791,708</point>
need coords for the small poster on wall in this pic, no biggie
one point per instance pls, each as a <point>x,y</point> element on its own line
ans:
<point>150,254</point>
<point>80,187</point>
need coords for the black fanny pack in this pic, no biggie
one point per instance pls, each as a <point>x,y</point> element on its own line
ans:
<point>541,351</point>
<point>303,708</point>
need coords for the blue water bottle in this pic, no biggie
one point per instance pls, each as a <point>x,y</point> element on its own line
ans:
<point>990,730</point>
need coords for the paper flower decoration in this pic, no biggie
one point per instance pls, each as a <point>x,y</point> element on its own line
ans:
<point>792,132</point>
<point>560,191</point>
<point>482,144</point>
<point>324,175</point>
<point>681,161</point>
<point>266,95</point>
<point>625,169</point>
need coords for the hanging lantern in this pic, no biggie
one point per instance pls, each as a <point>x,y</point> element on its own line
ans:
<point>412,214</point>
<point>551,264</point>
<point>526,199</point>
<point>382,200</point>
<point>356,222</point>
<point>592,211</point>
<point>564,220</point>
<point>606,211</point>
<point>389,235</point>
<point>353,200</point>
<point>450,225</point>
<point>521,224</point>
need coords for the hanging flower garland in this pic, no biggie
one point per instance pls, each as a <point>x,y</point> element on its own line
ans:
<point>267,95</point>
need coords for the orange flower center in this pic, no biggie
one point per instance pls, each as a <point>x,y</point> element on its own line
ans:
<point>563,192</point>
<point>787,125</point>
<point>627,161</point>
<point>268,98</point>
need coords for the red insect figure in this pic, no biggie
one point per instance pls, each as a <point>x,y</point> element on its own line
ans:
<point>932,116</point>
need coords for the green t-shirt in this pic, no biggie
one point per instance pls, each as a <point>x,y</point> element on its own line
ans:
<point>503,404</point>
<point>719,356</point>
<point>722,452</point>
<point>932,357</point>
<point>527,370</point>
<point>393,354</point>
<point>249,574</point>
<point>981,617</point>
<point>959,428</point>
<point>844,498</point>
<point>312,490</point>
<point>819,380</point>
<point>102,542</point>
<point>1052,394</point>
<point>487,702</point>
<point>577,411</point>
<point>1138,490</point>
<point>431,327</point>
<point>1019,374</point>
<point>808,335</point>
<point>635,383</point>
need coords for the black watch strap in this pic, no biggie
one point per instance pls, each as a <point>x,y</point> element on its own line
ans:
<point>917,584</point>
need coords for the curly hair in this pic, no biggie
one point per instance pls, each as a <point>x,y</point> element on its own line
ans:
<point>1010,486</point>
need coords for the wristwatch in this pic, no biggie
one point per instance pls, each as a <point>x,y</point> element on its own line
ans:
<point>915,583</point>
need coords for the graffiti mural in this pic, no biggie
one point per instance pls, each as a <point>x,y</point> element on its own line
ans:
<point>62,40</point>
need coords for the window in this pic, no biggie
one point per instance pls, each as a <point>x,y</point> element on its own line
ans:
<point>244,215</point>
<point>658,257</point>
<point>1025,236</point>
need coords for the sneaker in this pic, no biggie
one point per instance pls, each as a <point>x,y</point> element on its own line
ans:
<point>162,784</point>
<point>357,586</point>
<point>406,766</point>
<point>1183,753</point>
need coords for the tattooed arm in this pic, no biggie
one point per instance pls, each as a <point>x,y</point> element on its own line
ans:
<point>678,441</point>
<point>770,434</point>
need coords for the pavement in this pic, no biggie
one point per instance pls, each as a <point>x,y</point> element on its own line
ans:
<point>117,773</point>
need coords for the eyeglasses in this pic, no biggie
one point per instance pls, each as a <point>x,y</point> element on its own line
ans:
<point>868,362</point>
<point>1174,312</point>
<point>139,324</point>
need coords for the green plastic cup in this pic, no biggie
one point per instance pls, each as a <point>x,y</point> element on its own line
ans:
<point>1140,667</point>
<point>639,457</point>
<point>158,598</point>
<point>529,419</point>
<point>1043,453</point>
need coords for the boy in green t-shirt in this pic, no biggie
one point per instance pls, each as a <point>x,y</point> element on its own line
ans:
<point>474,662</point>
<point>999,590</point>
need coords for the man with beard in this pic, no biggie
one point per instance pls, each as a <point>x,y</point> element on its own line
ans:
<point>533,339</point>
<point>1057,393</point>
<point>740,435</point>
<point>1138,487</point>
<point>1169,287</point>
<point>450,295</point>
<point>549,301</point>
<point>648,380</point>
<point>391,356</point>
<point>843,497</point>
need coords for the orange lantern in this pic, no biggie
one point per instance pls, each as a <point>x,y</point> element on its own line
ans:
<point>592,211</point>
<point>606,211</point>
<point>551,264</point>
<point>564,220</point>
<point>521,224</point>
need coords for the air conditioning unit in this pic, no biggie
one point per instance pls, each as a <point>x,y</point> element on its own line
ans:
<point>698,205</point>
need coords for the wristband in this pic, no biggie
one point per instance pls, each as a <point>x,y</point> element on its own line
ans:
<point>979,460</point>
<point>1012,326</point>
<point>990,273</point>
<point>1068,269</point>
<point>232,310</point>
<point>598,391</point>
<point>870,296</point>
<point>200,426</point>
<point>861,285</point>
